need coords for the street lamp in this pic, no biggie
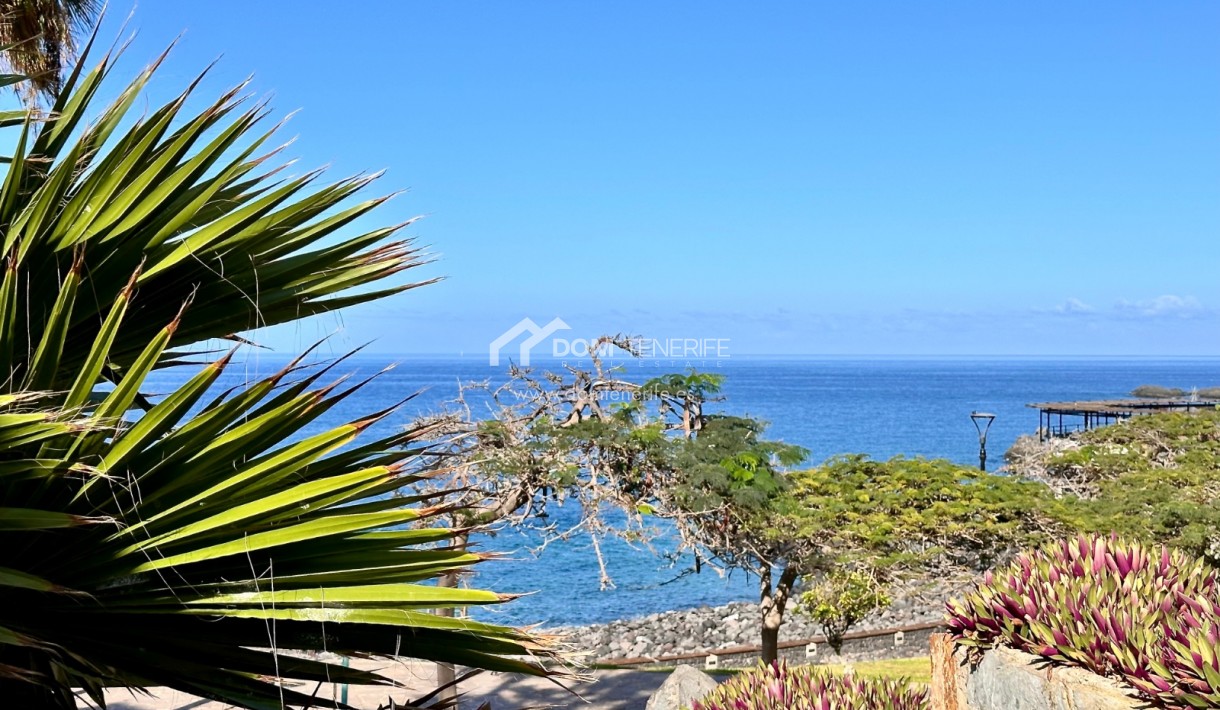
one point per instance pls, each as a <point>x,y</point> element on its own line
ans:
<point>979,418</point>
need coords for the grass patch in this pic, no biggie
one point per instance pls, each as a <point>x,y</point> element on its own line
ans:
<point>917,670</point>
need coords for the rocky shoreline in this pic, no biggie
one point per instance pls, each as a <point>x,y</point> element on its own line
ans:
<point>712,628</point>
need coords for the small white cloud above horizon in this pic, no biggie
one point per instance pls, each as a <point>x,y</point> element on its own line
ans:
<point>1074,306</point>
<point>1162,306</point>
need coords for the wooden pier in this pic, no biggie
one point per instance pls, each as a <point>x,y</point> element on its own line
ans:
<point>1083,416</point>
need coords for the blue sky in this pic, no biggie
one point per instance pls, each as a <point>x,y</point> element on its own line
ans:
<point>813,178</point>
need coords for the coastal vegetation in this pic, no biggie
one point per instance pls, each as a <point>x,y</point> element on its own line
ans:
<point>648,451</point>
<point>831,540</point>
<point>218,543</point>
<point>1154,478</point>
<point>592,439</point>
<point>729,488</point>
<point>1148,615</point>
<point>852,527</point>
<point>199,540</point>
<point>1157,392</point>
<point>729,498</point>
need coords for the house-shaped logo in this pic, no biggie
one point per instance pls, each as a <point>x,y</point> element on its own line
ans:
<point>537,334</point>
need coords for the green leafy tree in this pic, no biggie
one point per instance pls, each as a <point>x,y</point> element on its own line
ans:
<point>652,452</point>
<point>198,539</point>
<point>908,512</point>
<point>540,439</point>
<point>883,520</point>
<point>579,436</point>
<point>727,484</point>
<point>590,438</point>
<point>842,599</point>
<point>648,451</point>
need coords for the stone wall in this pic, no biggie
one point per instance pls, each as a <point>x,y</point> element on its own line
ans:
<point>704,630</point>
<point>902,642</point>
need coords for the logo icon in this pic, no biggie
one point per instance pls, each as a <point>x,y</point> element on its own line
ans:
<point>537,334</point>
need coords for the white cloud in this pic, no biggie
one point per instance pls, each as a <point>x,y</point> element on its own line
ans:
<point>1073,306</point>
<point>1162,306</point>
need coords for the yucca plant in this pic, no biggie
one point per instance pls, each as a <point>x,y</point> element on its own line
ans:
<point>1149,616</point>
<point>198,540</point>
<point>780,687</point>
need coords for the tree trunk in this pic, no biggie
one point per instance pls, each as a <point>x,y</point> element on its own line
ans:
<point>446,673</point>
<point>772,602</point>
<point>770,640</point>
<point>945,692</point>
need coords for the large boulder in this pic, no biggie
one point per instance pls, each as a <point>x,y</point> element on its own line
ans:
<point>1007,679</point>
<point>684,686</point>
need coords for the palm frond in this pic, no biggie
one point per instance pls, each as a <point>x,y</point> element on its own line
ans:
<point>201,540</point>
<point>183,200</point>
<point>223,542</point>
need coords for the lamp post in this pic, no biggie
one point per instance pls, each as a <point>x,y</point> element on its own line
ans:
<point>979,418</point>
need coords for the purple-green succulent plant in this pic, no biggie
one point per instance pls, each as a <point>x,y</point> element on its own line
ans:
<point>781,687</point>
<point>1147,616</point>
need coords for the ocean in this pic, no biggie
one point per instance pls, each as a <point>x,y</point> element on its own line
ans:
<point>882,407</point>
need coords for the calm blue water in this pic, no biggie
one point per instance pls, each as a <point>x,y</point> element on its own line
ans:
<point>882,407</point>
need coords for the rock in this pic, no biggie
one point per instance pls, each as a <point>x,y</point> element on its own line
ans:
<point>1006,678</point>
<point>734,624</point>
<point>1010,679</point>
<point>684,686</point>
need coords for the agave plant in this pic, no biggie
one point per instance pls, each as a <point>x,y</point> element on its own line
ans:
<point>1149,616</point>
<point>779,687</point>
<point>198,540</point>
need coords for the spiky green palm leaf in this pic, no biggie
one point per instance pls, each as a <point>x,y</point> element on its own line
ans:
<point>192,551</point>
<point>197,541</point>
<point>187,203</point>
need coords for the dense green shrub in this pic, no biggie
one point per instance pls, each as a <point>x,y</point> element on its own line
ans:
<point>909,512</point>
<point>1149,616</point>
<point>780,687</point>
<point>1154,478</point>
<point>840,600</point>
